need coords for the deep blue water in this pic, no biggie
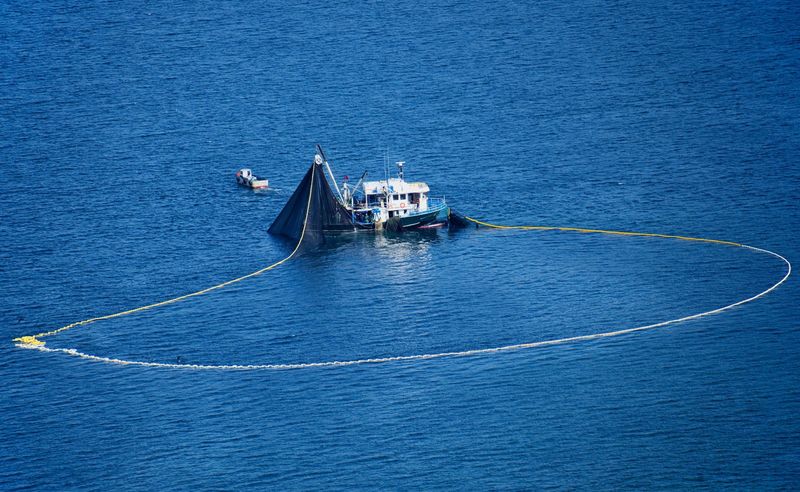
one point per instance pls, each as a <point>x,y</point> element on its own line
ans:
<point>122,123</point>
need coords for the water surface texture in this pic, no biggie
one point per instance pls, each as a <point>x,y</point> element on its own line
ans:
<point>122,123</point>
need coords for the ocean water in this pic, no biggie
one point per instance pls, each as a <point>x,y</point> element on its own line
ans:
<point>122,123</point>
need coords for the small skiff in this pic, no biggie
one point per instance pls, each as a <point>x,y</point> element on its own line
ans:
<point>245,177</point>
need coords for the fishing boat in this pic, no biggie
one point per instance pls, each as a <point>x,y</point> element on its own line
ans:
<point>393,203</point>
<point>319,205</point>
<point>245,177</point>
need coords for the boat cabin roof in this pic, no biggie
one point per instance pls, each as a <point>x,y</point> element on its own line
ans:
<point>394,185</point>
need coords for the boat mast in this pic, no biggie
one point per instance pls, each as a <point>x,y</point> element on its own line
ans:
<point>330,173</point>
<point>360,180</point>
<point>386,165</point>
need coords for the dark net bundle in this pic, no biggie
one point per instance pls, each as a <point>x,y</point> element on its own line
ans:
<point>325,213</point>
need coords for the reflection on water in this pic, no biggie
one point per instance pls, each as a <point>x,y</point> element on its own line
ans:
<point>386,254</point>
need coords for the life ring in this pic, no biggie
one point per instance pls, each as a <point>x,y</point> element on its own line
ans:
<point>402,205</point>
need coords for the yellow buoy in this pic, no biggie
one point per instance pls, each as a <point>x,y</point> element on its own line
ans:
<point>29,340</point>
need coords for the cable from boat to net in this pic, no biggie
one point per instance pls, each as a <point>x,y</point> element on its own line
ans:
<point>35,342</point>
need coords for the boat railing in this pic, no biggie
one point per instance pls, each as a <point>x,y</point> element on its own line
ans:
<point>436,202</point>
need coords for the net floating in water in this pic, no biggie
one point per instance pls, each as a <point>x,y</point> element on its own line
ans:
<point>312,207</point>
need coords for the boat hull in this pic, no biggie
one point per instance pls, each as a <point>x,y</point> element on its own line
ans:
<point>245,177</point>
<point>418,220</point>
<point>256,184</point>
<point>408,222</point>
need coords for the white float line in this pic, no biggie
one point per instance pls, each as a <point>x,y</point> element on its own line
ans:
<point>401,358</point>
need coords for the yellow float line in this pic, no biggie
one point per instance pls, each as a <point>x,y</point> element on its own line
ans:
<point>33,341</point>
<point>600,231</point>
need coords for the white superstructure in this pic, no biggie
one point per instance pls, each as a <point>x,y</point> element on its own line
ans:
<point>395,197</point>
<point>390,203</point>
